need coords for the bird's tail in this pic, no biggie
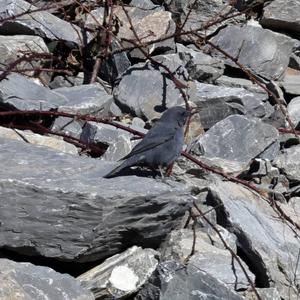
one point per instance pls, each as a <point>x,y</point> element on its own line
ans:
<point>115,171</point>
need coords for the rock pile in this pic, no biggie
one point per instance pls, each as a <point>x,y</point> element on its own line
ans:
<point>223,226</point>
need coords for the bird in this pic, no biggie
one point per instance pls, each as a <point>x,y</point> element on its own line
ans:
<point>162,144</point>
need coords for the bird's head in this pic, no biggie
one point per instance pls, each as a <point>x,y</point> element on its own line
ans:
<point>175,114</point>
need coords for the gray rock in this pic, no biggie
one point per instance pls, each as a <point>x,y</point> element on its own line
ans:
<point>199,65</point>
<point>115,65</point>
<point>294,111</point>
<point>18,92</point>
<point>64,209</point>
<point>89,99</point>
<point>27,281</point>
<point>68,126</point>
<point>122,274</point>
<point>215,261</point>
<point>201,14</point>
<point>66,81</point>
<point>145,4</point>
<point>243,83</point>
<point>289,162</point>
<point>237,138</point>
<point>149,25</point>
<point>118,141</point>
<point>265,294</point>
<point>52,142</point>
<point>146,91</point>
<point>174,281</point>
<point>282,16</point>
<point>40,23</point>
<point>266,241</point>
<point>291,84</point>
<point>13,47</point>
<point>218,102</point>
<point>265,52</point>
<point>295,61</point>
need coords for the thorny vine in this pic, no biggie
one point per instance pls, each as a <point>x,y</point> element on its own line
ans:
<point>104,35</point>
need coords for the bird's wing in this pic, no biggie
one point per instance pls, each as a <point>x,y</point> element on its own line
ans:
<point>155,137</point>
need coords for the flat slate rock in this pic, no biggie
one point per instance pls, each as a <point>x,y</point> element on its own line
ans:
<point>26,281</point>
<point>289,162</point>
<point>291,84</point>
<point>281,15</point>
<point>219,102</point>
<point>294,110</point>
<point>89,99</point>
<point>209,256</point>
<point>12,47</point>
<point>243,83</point>
<point>263,51</point>
<point>238,138</point>
<point>175,281</point>
<point>149,24</point>
<point>40,23</point>
<point>201,14</point>
<point>267,242</point>
<point>53,142</point>
<point>121,275</point>
<point>19,92</point>
<point>200,66</point>
<point>147,91</point>
<point>58,205</point>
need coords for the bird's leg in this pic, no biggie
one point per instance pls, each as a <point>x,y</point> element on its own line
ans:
<point>161,172</point>
<point>169,170</point>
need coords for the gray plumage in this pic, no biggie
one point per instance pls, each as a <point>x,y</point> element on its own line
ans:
<point>161,146</point>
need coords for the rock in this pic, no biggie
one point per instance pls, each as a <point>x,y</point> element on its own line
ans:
<point>209,258</point>
<point>14,47</point>
<point>67,211</point>
<point>89,99</point>
<point>55,143</point>
<point>149,26</point>
<point>294,111</point>
<point>174,281</point>
<point>117,140</point>
<point>68,126</point>
<point>280,16</point>
<point>201,14</point>
<point>26,281</point>
<point>40,22</point>
<point>122,274</point>
<point>291,84</point>
<point>243,83</point>
<point>265,52</point>
<point>66,81</point>
<point>295,61</point>
<point>18,92</point>
<point>218,102</point>
<point>265,294</point>
<point>199,65</point>
<point>237,138</point>
<point>267,243</point>
<point>277,118</point>
<point>146,91</point>
<point>289,162</point>
<point>145,4</point>
<point>115,65</point>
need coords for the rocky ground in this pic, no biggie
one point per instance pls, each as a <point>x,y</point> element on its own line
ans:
<point>80,81</point>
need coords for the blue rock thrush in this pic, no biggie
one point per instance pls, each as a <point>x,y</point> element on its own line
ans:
<point>162,144</point>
